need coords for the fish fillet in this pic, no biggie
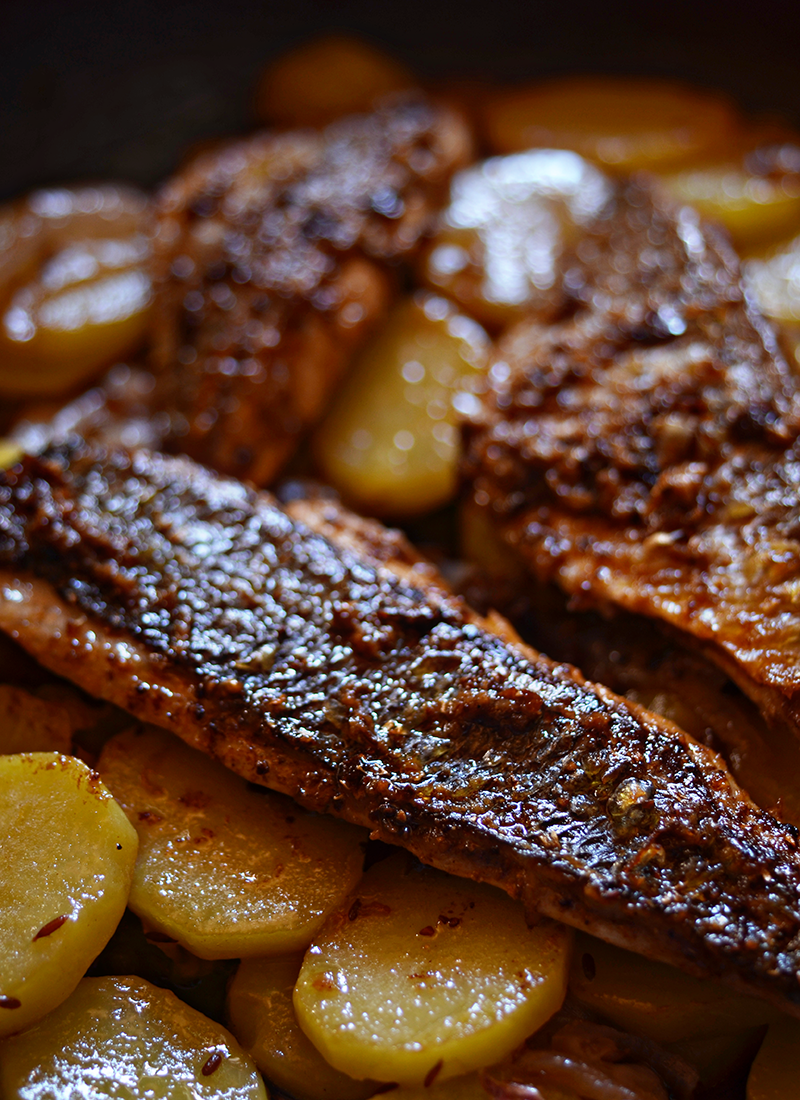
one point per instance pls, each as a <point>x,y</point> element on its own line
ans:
<point>313,653</point>
<point>644,451</point>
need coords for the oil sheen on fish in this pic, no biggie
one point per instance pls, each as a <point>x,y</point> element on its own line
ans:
<point>330,665</point>
<point>644,451</point>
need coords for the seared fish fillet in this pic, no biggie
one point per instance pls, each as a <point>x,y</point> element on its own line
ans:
<point>273,264</point>
<point>644,452</point>
<point>335,668</point>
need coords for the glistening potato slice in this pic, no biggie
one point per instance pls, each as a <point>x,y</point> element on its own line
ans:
<point>67,859</point>
<point>501,238</point>
<point>75,285</point>
<point>621,123</point>
<point>754,191</point>
<point>225,869</point>
<point>262,1017</point>
<point>123,1037</point>
<point>389,443</point>
<point>422,976</point>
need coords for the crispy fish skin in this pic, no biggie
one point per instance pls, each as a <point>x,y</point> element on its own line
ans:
<point>348,678</point>
<point>644,452</point>
<point>274,262</point>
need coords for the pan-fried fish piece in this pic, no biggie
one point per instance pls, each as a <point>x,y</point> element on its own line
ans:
<point>333,668</point>
<point>644,452</point>
<point>273,263</point>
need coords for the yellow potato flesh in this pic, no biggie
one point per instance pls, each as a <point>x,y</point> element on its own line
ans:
<point>325,79</point>
<point>389,443</point>
<point>655,1000</point>
<point>508,221</point>
<point>422,976</point>
<point>754,210</point>
<point>225,869</point>
<point>75,286</point>
<point>775,1073</point>
<point>622,124</point>
<point>261,1016</point>
<point>29,724</point>
<point>68,855</point>
<point>123,1037</point>
<point>774,279</point>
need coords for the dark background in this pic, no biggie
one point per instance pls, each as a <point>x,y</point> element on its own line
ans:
<point>93,89</point>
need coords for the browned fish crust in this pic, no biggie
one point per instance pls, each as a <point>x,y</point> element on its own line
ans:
<point>329,674</point>
<point>644,452</point>
<point>273,260</point>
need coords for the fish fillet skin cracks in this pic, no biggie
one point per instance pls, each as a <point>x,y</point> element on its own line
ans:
<point>274,261</point>
<point>339,671</point>
<point>644,452</point>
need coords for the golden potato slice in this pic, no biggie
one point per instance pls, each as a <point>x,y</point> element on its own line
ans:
<point>755,194</point>
<point>621,123</point>
<point>68,855</point>
<point>75,285</point>
<point>422,976</point>
<point>774,279</point>
<point>389,443</point>
<point>504,230</point>
<point>29,724</point>
<point>775,1074</point>
<point>123,1037</point>
<point>224,868</point>
<point>262,1017</point>
<point>325,79</point>
<point>655,1000</point>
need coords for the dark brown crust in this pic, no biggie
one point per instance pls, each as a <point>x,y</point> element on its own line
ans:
<point>644,451</point>
<point>324,672</point>
<point>273,262</point>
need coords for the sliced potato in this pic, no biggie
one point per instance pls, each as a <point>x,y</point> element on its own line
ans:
<point>29,724</point>
<point>262,1018</point>
<point>774,279</point>
<point>755,194</point>
<point>655,1000</point>
<point>325,79</point>
<point>389,443</point>
<point>123,1037</point>
<point>422,976</point>
<point>75,285</point>
<point>621,123</point>
<point>225,869</point>
<point>68,855</point>
<point>775,1074</point>
<point>504,230</point>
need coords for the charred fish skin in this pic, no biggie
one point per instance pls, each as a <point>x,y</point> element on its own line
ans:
<point>643,452</point>
<point>202,605</point>
<point>274,262</point>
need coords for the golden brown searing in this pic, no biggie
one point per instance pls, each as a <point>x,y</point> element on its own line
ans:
<point>334,668</point>
<point>644,451</point>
